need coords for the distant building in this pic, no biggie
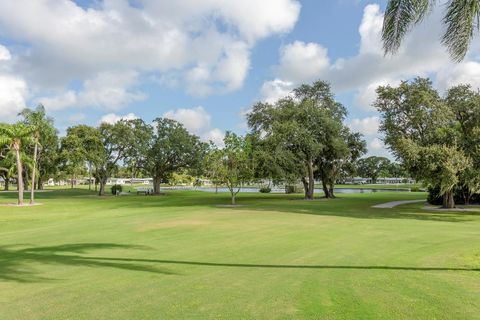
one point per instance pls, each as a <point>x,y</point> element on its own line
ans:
<point>355,180</point>
<point>360,180</point>
<point>395,180</point>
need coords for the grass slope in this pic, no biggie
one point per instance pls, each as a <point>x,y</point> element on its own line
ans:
<point>181,256</point>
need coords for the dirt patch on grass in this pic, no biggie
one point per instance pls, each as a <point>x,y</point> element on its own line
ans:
<point>230,205</point>
<point>172,224</point>
<point>23,205</point>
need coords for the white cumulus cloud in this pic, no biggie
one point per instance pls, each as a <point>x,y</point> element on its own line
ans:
<point>4,54</point>
<point>13,96</point>
<point>367,126</point>
<point>202,46</point>
<point>197,121</point>
<point>274,90</point>
<point>113,118</point>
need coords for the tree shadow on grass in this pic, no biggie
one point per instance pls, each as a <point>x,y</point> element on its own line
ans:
<point>15,263</point>
<point>348,207</point>
<point>356,206</point>
<point>287,266</point>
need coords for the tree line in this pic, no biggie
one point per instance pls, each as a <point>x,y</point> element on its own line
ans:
<point>300,138</point>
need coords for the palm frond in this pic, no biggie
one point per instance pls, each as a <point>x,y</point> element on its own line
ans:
<point>462,20</point>
<point>400,16</point>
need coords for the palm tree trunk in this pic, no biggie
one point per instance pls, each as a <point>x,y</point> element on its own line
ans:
<point>32,192</point>
<point>20,176</point>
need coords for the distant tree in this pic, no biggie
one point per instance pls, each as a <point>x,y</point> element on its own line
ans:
<point>298,131</point>
<point>73,154</point>
<point>212,164</point>
<point>460,20</point>
<point>172,148</point>
<point>15,137</point>
<point>135,155</point>
<point>91,146</point>
<point>116,141</point>
<point>396,170</point>
<point>338,158</point>
<point>420,131</point>
<point>233,164</point>
<point>373,167</point>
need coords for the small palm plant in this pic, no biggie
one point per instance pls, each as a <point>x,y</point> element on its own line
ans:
<point>15,136</point>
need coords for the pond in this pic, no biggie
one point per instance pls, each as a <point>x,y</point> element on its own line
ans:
<point>281,190</point>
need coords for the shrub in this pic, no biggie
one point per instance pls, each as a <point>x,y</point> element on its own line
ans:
<point>116,189</point>
<point>435,198</point>
<point>265,190</point>
<point>289,189</point>
<point>415,189</point>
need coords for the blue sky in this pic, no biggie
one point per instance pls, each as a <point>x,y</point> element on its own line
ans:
<point>204,63</point>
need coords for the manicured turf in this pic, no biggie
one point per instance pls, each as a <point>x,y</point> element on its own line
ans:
<point>182,256</point>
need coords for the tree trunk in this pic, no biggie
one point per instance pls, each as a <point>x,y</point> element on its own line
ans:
<point>89,176</point>
<point>448,200</point>
<point>311,180</point>
<point>32,192</point>
<point>7,183</point>
<point>331,190</point>
<point>305,187</point>
<point>103,182</point>
<point>156,185</point>
<point>325,188</point>
<point>233,198</point>
<point>40,183</point>
<point>216,188</point>
<point>467,199</point>
<point>20,175</point>
<point>71,182</point>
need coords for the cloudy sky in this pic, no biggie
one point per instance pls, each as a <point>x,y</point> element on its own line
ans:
<point>204,63</point>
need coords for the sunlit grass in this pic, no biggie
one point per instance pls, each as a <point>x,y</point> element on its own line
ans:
<point>184,256</point>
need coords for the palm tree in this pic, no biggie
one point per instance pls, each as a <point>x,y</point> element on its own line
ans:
<point>461,20</point>
<point>39,122</point>
<point>15,136</point>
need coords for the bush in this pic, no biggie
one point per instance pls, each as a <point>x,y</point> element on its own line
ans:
<point>116,189</point>
<point>289,189</point>
<point>415,189</point>
<point>435,198</point>
<point>265,190</point>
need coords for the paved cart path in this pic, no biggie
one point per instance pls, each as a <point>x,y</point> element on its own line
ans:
<point>393,204</point>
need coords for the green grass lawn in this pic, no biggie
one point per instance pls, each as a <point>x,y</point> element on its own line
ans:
<point>182,256</point>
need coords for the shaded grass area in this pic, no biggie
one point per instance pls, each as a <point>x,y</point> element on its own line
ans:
<point>183,256</point>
